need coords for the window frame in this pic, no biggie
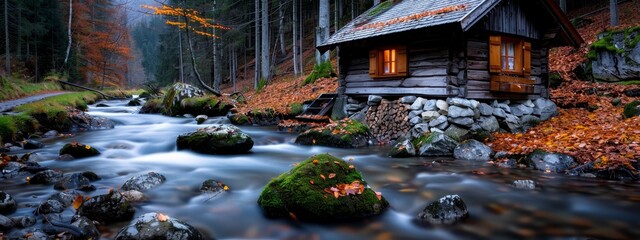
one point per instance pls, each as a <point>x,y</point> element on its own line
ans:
<point>377,62</point>
<point>518,58</point>
<point>515,80</point>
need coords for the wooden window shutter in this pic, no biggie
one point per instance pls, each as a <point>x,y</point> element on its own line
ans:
<point>373,63</point>
<point>401,56</point>
<point>495,63</point>
<point>526,56</point>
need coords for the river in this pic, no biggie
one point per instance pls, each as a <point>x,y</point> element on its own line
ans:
<point>560,207</point>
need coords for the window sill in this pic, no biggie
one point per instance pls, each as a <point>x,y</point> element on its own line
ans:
<point>512,84</point>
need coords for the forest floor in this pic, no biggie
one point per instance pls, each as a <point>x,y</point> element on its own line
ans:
<point>595,132</point>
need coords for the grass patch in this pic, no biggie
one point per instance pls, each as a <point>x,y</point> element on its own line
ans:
<point>628,83</point>
<point>12,88</point>
<point>324,70</point>
<point>382,7</point>
<point>296,109</point>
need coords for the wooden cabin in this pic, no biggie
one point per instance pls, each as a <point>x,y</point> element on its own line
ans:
<point>478,49</point>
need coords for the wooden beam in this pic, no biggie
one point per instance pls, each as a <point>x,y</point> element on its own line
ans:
<point>398,91</point>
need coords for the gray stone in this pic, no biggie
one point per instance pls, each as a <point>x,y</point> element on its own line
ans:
<point>107,208</point>
<point>144,182</point>
<point>51,133</point>
<point>621,64</point>
<point>339,108</point>
<point>46,177</point>
<point>201,118</point>
<point>352,101</point>
<point>512,126</point>
<point>156,226</point>
<point>438,144</point>
<point>442,126</point>
<point>50,206</point>
<point>353,107</point>
<point>133,196</point>
<point>415,121</point>
<point>88,230</point>
<point>519,110</point>
<point>415,113</point>
<point>524,184</point>
<point>418,104</point>
<point>419,130</point>
<point>462,121</point>
<point>212,186</point>
<point>447,210</point>
<point>472,150</point>
<point>6,223</point>
<point>544,108</point>
<point>476,113</point>
<point>489,123</point>
<point>529,103</point>
<point>485,109</point>
<point>429,115</point>
<point>436,130</point>
<point>437,121</point>
<point>442,105</point>
<point>24,221</point>
<point>511,119</point>
<point>456,132</point>
<point>474,103</point>
<point>529,121</point>
<point>7,203</point>
<point>430,105</point>
<point>402,149</point>
<point>361,115</point>
<point>408,99</point>
<point>553,162</point>
<point>216,139</point>
<point>65,197</point>
<point>499,112</point>
<point>32,144</point>
<point>458,112</point>
<point>374,100</point>
<point>504,107</point>
<point>74,181</point>
<point>460,102</point>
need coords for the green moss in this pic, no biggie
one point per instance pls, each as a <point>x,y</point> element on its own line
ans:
<point>630,82</point>
<point>631,109</point>
<point>296,109</point>
<point>79,150</point>
<point>606,42</point>
<point>555,80</point>
<point>382,7</point>
<point>13,87</point>
<point>301,192</point>
<point>418,142</point>
<point>324,70</point>
<point>8,129</point>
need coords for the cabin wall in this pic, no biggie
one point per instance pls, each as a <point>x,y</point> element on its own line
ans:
<point>510,17</point>
<point>431,70</point>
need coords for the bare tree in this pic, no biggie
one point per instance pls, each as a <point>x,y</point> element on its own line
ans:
<point>294,23</point>
<point>7,54</point>
<point>322,33</point>
<point>283,51</point>
<point>613,6</point>
<point>257,44</point>
<point>265,40</point>
<point>66,57</point>
<point>217,76</point>
<point>193,59</point>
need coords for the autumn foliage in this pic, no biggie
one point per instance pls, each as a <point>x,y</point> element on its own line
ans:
<point>196,23</point>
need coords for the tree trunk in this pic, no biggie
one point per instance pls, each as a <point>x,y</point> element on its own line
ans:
<point>301,38</point>
<point>66,57</point>
<point>294,21</point>
<point>563,5</point>
<point>265,40</point>
<point>257,45</point>
<point>283,51</point>
<point>376,2</point>
<point>180,52</point>
<point>323,30</point>
<point>613,6</point>
<point>193,61</point>
<point>217,76</point>
<point>7,56</point>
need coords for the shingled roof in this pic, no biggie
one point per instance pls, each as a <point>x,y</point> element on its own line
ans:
<point>409,15</point>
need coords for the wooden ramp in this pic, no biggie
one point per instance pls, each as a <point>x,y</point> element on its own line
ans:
<point>318,108</point>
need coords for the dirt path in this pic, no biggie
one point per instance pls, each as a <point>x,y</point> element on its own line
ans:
<point>9,105</point>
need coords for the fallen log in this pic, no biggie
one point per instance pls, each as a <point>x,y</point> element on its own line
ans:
<point>85,88</point>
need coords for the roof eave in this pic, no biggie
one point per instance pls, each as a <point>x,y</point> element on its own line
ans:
<point>567,28</point>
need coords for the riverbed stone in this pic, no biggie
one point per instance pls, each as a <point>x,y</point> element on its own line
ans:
<point>32,144</point>
<point>415,120</point>
<point>46,177</point>
<point>201,118</point>
<point>447,210</point>
<point>79,150</point>
<point>157,226</point>
<point>50,206</point>
<point>321,188</point>
<point>213,186</point>
<point>88,229</point>
<point>6,223</point>
<point>24,221</point>
<point>65,197</point>
<point>402,149</point>
<point>107,208</point>
<point>554,162</point>
<point>472,150</point>
<point>437,144</point>
<point>524,184</point>
<point>216,139</point>
<point>82,121</point>
<point>144,182</point>
<point>50,134</point>
<point>7,203</point>
<point>133,196</point>
<point>346,133</point>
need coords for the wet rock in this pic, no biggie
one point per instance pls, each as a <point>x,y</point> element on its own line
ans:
<point>107,208</point>
<point>544,108</point>
<point>7,203</point>
<point>211,185</point>
<point>50,206</point>
<point>155,226</point>
<point>87,230</point>
<point>529,121</point>
<point>419,130</point>
<point>485,109</point>
<point>553,162</point>
<point>438,144</point>
<point>472,150</point>
<point>6,223</point>
<point>305,193</point>
<point>135,102</point>
<point>216,139</point>
<point>374,100</point>
<point>79,150</point>
<point>403,149</point>
<point>82,121</point>
<point>32,144</point>
<point>65,197</point>
<point>456,132</point>
<point>343,134</point>
<point>24,221</point>
<point>524,184</point>
<point>74,181</point>
<point>201,118</point>
<point>144,182</point>
<point>134,196</point>
<point>447,210</point>
<point>102,105</point>
<point>32,233</point>
<point>65,157</point>
<point>46,177</point>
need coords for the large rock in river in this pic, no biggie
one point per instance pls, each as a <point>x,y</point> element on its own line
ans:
<point>176,93</point>
<point>157,226</point>
<point>448,209</point>
<point>437,144</point>
<point>107,208</point>
<point>144,182</point>
<point>345,133</point>
<point>322,188</point>
<point>7,203</point>
<point>79,150</point>
<point>216,139</point>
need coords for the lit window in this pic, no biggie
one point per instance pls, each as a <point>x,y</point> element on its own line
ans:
<point>389,61</point>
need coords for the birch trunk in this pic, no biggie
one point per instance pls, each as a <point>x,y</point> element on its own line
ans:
<point>294,22</point>
<point>66,57</point>
<point>257,45</point>
<point>265,40</point>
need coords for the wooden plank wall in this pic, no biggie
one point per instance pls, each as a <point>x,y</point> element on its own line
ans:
<point>428,75</point>
<point>510,17</point>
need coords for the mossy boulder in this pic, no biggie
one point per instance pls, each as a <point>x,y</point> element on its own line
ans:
<point>176,93</point>
<point>437,144</point>
<point>108,208</point>
<point>205,105</point>
<point>631,109</point>
<point>318,190</point>
<point>216,139</point>
<point>79,150</point>
<point>345,133</point>
<point>402,149</point>
<point>152,105</point>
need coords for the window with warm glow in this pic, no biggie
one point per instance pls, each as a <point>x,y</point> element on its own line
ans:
<point>389,61</point>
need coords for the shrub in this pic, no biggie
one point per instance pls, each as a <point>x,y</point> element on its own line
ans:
<point>296,109</point>
<point>324,70</point>
<point>631,109</point>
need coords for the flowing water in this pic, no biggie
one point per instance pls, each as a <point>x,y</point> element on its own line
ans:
<point>560,207</point>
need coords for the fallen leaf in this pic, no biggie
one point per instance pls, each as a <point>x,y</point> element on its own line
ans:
<point>315,161</point>
<point>379,195</point>
<point>323,177</point>
<point>161,217</point>
<point>226,188</point>
<point>312,182</point>
<point>332,175</point>
<point>77,202</point>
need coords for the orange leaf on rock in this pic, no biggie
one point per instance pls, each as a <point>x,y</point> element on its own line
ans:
<point>77,202</point>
